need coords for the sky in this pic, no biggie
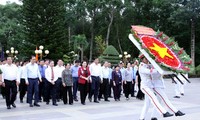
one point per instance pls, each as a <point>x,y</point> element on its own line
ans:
<point>3,2</point>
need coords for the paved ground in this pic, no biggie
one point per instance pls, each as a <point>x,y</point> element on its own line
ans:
<point>123,110</point>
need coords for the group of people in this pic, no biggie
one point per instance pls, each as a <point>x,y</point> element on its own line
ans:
<point>45,81</point>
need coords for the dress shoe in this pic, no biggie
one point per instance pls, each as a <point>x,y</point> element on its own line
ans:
<point>8,107</point>
<point>70,103</point>
<point>36,104</point>
<point>90,99</point>
<point>177,97</point>
<point>21,101</point>
<point>179,113</point>
<point>83,103</point>
<point>76,100</point>
<point>154,119</point>
<point>107,100</point>
<point>31,105</point>
<point>182,94</point>
<point>96,101</point>
<point>14,105</point>
<point>55,104</point>
<point>167,114</point>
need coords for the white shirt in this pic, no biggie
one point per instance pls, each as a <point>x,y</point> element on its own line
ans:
<point>122,70</point>
<point>145,75</point>
<point>95,70</point>
<point>129,75</point>
<point>157,81</point>
<point>9,72</point>
<point>22,72</point>
<point>58,71</point>
<point>32,71</point>
<point>105,72</point>
<point>48,74</point>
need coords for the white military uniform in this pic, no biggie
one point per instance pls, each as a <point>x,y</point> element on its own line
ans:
<point>158,87</point>
<point>147,88</point>
<point>179,88</point>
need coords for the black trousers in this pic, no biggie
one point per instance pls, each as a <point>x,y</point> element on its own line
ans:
<point>117,91</point>
<point>50,92</point>
<point>10,91</point>
<point>110,86</point>
<point>67,92</point>
<point>33,89</point>
<point>104,89</point>
<point>42,89</point>
<point>95,87</point>
<point>83,88</point>
<point>2,91</point>
<point>133,89</point>
<point>22,89</point>
<point>59,92</point>
<point>128,89</point>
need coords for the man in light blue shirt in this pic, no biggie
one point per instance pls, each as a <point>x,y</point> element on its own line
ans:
<point>74,70</point>
<point>32,77</point>
<point>42,69</point>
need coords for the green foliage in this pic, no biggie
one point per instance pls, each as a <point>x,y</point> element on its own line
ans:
<point>44,23</point>
<point>100,44</point>
<point>79,42</point>
<point>111,55</point>
<point>198,70</point>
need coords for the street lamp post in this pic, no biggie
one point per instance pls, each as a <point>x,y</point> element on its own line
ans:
<point>125,57</point>
<point>12,52</point>
<point>40,52</point>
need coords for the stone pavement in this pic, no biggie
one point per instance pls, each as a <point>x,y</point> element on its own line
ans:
<point>122,110</point>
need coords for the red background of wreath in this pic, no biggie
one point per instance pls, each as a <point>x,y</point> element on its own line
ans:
<point>148,42</point>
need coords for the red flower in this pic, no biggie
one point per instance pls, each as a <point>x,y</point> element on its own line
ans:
<point>160,34</point>
<point>170,44</point>
<point>180,51</point>
<point>165,38</point>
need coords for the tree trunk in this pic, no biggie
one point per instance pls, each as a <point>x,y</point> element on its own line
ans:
<point>81,49</point>
<point>193,41</point>
<point>111,16</point>
<point>91,42</point>
<point>69,35</point>
<point>118,40</point>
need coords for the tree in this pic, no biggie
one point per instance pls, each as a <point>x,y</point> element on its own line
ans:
<point>187,14</point>
<point>11,28</point>
<point>111,55</point>
<point>80,43</point>
<point>45,25</point>
<point>100,44</point>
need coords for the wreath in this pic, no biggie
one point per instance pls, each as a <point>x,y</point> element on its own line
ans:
<point>163,49</point>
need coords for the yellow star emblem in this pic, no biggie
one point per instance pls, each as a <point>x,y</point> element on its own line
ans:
<point>161,51</point>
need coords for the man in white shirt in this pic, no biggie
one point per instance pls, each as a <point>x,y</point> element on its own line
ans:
<point>105,75</point>
<point>32,79</point>
<point>158,87</point>
<point>179,88</point>
<point>51,77</point>
<point>58,72</point>
<point>10,82</point>
<point>21,77</point>
<point>145,72</point>
<point>95,70</point>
